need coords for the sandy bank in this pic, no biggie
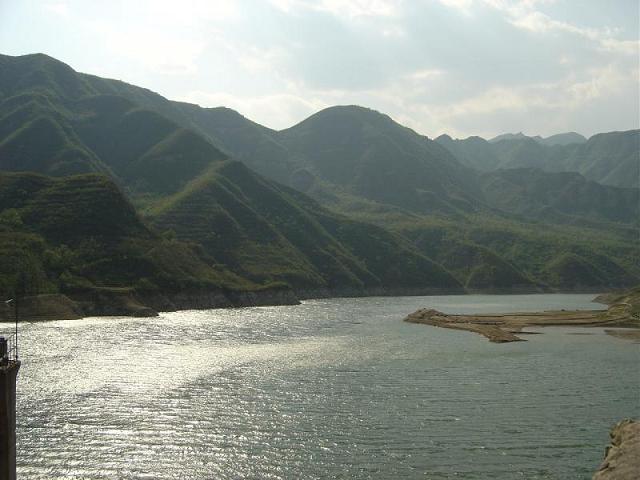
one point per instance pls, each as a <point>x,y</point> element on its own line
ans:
<point>501,328</point>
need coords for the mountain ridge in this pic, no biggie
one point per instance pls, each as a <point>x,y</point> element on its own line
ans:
<point>368,176</point>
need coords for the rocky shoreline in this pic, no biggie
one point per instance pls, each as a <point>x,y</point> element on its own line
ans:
<point>101,303</point>
<point>623,311</point>
<point>622,457</point>
<point>123,302</point>
<point>126,302</point>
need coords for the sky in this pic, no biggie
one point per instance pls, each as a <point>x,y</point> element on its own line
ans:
<point>462,67</point>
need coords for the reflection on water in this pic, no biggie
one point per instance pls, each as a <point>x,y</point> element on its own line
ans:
<point>335,388</point>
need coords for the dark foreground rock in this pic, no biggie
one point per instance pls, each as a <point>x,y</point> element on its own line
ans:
<point>622,457</point>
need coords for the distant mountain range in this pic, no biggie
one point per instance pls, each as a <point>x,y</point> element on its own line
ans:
<point>109,180</point>
<point>608,158</point>
<point>568,138</point>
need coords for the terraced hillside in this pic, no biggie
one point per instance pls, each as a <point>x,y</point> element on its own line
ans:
<point>397,212</point>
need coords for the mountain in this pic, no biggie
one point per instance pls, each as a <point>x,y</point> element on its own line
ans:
<point>343,154</point>
<point>508,136</point>
<point>537,194</point>
<point>346,150</point>
<point>392,211</point>
<point>79,236</point>
<point>567,138</point>
<point>475,152</point>
<point>608,158</point>
<point>365,153</point>
<point>243,223</point>
<point>268,232</point>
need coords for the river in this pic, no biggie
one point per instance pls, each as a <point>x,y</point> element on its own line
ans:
<point>332,388</point>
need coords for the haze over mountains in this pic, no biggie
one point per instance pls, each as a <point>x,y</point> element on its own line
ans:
<point>567,138</point>
<point>608,158</point>
<point>346,202</point>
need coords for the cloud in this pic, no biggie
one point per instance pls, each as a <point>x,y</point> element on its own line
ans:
<point>158,53</point>
<point>524,15</point>
<point>279,111</point>
<point>342,8</point>
<point>465,66</point>
<point>59,8</point>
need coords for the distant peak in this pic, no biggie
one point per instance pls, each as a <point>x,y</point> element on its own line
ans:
<point>567,138</point>
<point>350,109</point>
<point>508,136</point>
<point>354,113</point>
<point>444,138</point>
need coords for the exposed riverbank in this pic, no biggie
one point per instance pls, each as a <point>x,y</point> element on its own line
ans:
<point>623,311</point>
<point>124,302</point>
<point>622,457</point>
<point>112,302</point>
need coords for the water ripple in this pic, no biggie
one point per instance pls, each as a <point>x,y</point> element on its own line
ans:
<point>336,388</point>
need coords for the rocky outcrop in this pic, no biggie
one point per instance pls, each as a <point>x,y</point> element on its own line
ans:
<point>622,457</point>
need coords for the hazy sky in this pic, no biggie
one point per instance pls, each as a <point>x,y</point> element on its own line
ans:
<point>463,67</point>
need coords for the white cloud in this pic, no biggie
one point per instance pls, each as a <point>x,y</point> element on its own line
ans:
<point>463,6</point>
<point>343,8</point>
<point>278,111</point>
<point>158,52</point>
<point>59,8</point>
<point>564,96</point>
<point>524,16</point>
<point>498,63</point>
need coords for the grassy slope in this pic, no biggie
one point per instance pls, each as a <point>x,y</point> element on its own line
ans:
<point>269,232</point>
<point>85,113</point>
<point>80,233</point>
<point>487,251</point>
<point>608,158</point>
<point>243,222</point>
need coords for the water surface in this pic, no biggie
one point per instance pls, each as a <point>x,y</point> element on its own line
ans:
<point>336,388</point>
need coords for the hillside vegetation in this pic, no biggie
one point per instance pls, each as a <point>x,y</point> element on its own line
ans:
<point>346,202</point>
<point>79,234</point>
<point>262,232</point>
<point>608,158</point>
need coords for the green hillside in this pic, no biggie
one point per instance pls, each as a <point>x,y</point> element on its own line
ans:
<point>362,152</point>
<point>559,197</point>
<point>244,224</point>
<point>393,212</point>
<point>487,252</point>
<point>268,232</point>
<point>608,158</point>
<point>79,234</point>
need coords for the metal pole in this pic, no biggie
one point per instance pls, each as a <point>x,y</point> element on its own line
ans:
<point>16,315</point>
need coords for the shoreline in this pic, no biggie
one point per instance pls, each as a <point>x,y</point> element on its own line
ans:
<point>113,302</point>
<point>622,456</point>
<point>623,312</point>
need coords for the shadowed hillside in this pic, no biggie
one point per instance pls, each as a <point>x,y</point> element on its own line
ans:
<point>412,217</point>
<point>79,235</point>
<point>244,224</point>
<point>608,158</point>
